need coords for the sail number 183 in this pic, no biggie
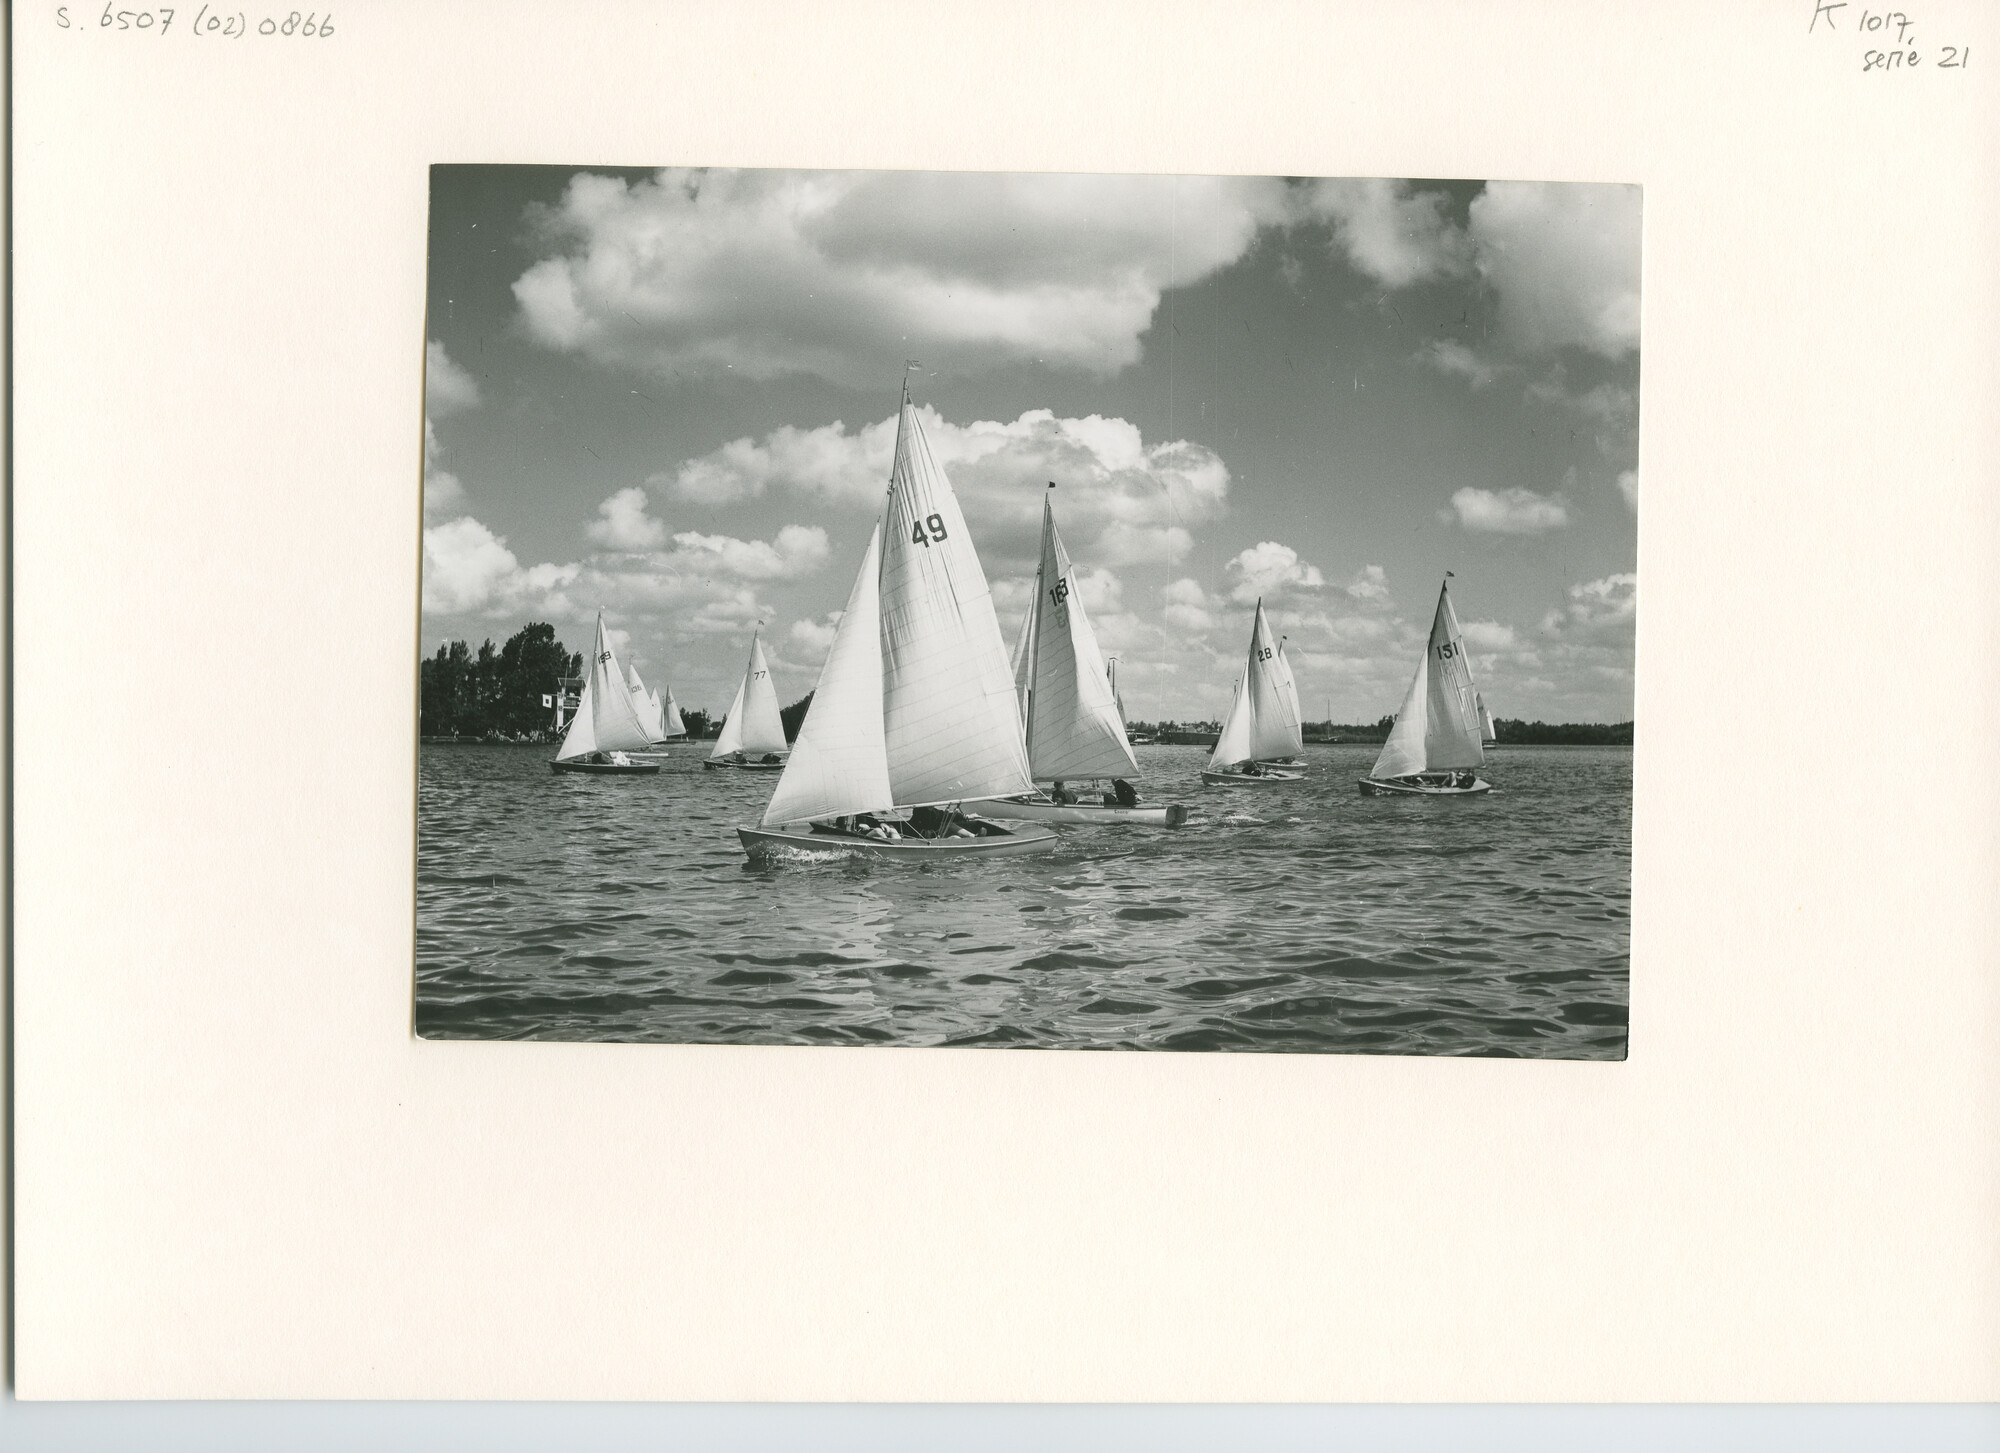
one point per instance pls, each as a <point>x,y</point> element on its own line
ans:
<point>935,524</point>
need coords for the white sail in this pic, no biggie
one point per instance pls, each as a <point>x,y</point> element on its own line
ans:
<point>645,704</point>
<point>731,738</point>
<point>1438,728</point>
<point>1073,728</point>
<point>1274,701</point>
<point>1486,727</point>
<point>1233,745</point>
<point>606,719</point>
<point>1263,721</point>
<point>1024,653</point>
<point>1288,689</point>
<point>754,726</point>
<point>579,740</point>
<point>670,719</point>
<point>951,727</point>
<point>839,764</point>
<point>1111,670</point>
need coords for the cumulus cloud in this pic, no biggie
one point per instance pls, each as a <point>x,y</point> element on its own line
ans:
<point>797,550</point>
<point>699,584</point>
<point>443,490</point>
<point>1185,607</point>
<point>623,523</point>
<point>448,389</point>
<point>1269,568</point>
<point>1119,500</point>
<point>1507,511</point>
<point>1628,485</point>
<point>1563,262</point>
<point>1560,259</point>
<point>1389,230</point>
<point>1596,610</point>
<point>1488,636</point>
<point>813,639</point>
<point>1455,358</point>
<point>1370,583</point>
<point>845,274</point>
<point>465,567</point>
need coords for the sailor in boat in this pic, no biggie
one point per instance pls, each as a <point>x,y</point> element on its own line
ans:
<point>1060,795</point>
<point>1122,794</point>
<point>861,824</point>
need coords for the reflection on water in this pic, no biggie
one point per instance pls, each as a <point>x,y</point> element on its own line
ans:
<point>1301,918</point>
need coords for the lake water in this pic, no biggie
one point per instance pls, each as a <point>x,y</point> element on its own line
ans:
<point>1302,918</point>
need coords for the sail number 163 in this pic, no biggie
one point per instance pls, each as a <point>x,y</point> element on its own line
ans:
<point>935,524</point>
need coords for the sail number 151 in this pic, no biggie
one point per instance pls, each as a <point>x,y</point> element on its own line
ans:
<point>935,523</point>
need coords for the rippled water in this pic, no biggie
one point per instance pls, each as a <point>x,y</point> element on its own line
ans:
<point>1307,918</point>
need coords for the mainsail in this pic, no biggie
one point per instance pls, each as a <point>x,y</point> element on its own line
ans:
<point>1281,668</point>
<point>915,704</point>
<point>646,705</point>
<point>1073,725</point>
<point>1233,745</point>
<point>1486,727</point>
<point>671,717</point>
<point>1263,722</point>
<point>1438,728</point>
<point>951,727</point>
<point>606,719</point>
<point>753,726</point>
<point>839,764</point>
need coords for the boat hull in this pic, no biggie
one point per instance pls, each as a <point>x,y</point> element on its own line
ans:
<point>608,769</point>
<point>1084,814</point>
<point>774,842</point>
<point>743,766</point>
<point>1238,779</point>
<point>1372,787</point>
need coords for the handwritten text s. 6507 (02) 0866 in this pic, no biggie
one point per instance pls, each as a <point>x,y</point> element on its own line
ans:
<point>208,23</point>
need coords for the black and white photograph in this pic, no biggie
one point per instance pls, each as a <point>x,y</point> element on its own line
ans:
<point>1032,611</point>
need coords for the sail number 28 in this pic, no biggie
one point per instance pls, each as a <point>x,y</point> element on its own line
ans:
<point>935,523</point>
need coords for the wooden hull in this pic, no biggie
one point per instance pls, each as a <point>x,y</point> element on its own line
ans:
<point>608,769</point>
<point>1271,778</point>
<point>743,766</point>
<point>779,842</point>
<point>1371,787</point>
<point>1084,814</point>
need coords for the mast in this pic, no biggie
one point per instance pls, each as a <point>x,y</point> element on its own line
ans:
<point>1437,729</point>
<point>1074,728</point>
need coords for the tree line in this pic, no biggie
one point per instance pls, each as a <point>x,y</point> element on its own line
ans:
<point>498,694</point>
<point>502,694</point>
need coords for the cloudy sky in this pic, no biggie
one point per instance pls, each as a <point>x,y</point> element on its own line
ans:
<point>673,394</point>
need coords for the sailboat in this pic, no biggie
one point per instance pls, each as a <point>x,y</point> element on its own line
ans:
<point>753,734</point>
<point>647,704</point>
<point>1072,719</point>
<point>1288,690</point>
<point>913,714</point>
<point>606,725</point>
<point>1263,721</point>
<point>670,715</point>
<point>1435,741</point>
<point>1489,734</point>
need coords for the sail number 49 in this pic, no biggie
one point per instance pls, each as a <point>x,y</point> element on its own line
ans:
<point>935,523</point>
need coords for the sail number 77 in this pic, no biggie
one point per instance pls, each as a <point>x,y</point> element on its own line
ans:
<point>935,523</point>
